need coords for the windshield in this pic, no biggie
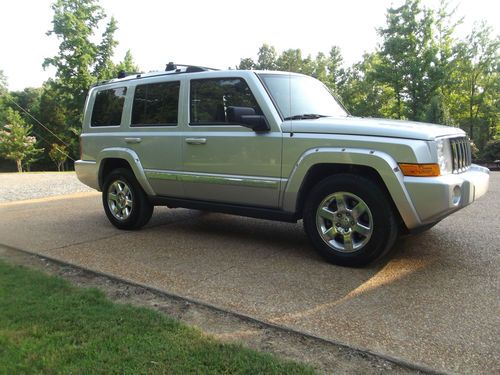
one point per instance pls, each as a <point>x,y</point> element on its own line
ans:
<point>301,97</point>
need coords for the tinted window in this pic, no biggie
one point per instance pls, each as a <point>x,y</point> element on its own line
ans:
<point>211,98</point>
<point>156,104</point>
<point>108,107</point>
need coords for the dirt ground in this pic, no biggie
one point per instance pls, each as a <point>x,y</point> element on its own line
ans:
<point>326,357</point>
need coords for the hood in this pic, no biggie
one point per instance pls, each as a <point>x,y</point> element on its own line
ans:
<point>372,126</point>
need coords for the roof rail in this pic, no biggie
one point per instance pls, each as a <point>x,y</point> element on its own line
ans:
<point>171,68</point>
<point>189,68</point>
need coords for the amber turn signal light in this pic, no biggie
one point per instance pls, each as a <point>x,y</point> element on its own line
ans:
<point>420,170</point>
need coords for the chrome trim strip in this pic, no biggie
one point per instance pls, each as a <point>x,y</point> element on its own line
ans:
<point>257,182</point>
<point>157,175</point>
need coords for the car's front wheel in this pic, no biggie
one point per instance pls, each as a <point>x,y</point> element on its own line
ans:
<point>349,220</point>
<point>125,203</point>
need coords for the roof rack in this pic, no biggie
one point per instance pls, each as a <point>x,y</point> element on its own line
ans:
<point>188,68</point>
<point>170,68</point>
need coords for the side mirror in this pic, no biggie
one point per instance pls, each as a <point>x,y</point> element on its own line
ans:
<point>257,123</point>
<point>246,116</point>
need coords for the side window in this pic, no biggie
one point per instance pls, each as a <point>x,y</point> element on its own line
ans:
<point>156,104</point>
<point>108,107</point>
<point>211,101</point>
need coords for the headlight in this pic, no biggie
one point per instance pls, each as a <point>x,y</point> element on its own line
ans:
<point>444,156</point>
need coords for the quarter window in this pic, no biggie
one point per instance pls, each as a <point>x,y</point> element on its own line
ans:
<point>108,107</point>
<point>211,99</point>
<point>156,104</point>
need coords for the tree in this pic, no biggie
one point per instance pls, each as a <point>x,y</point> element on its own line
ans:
<point>291,61</point>
<point>55,116</point>
<point>16,143</point>
<point>128,65</point>
<point>58,154</point>
<point>246,64</point>
<point>266,58</point>
<point>335,71</point>
<point>408,58</point>
<point>80,61</point>
<point>105,69</point>
<point>3,83</point>
<point>491,151</point>
<point>474,100</point>
<point>3,93</point>
<point>365,96</point>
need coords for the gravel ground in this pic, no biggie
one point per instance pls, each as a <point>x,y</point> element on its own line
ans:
<point>21,186</point>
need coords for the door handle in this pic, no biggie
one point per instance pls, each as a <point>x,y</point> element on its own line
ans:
<point>133,140</point>
<point>196,141</point>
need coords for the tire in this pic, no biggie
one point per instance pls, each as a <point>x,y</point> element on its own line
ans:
<point>349,220</point>
<point>125,203</point>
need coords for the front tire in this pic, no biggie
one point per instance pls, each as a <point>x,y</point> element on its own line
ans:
<point>349,220</point>
<point>125,203</point>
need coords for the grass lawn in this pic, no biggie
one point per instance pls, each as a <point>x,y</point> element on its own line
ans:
<point>48,326</point>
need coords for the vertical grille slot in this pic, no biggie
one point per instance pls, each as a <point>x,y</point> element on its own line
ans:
<point>461,154</point>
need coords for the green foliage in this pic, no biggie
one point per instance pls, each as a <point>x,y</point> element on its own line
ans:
<point>50,327</point>
<point>267,57</point>
<point>16,143</point>
<point>105,69</point>
<point>128,65</point>
<point>3,83</point>
<point>408,58</point>
<point>474,99</point>
<point>80,61</point>
<point>437,112</point>
<point>491,151</point>
<point>246,64</point>
<point>58,154</point>
<point>420,71</point>
<point>362,94</point>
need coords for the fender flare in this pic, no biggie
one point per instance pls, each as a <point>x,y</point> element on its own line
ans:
<point>381,162</point>
<point>133,160</point>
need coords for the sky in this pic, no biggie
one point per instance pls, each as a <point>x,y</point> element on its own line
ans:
<point>214,33</point>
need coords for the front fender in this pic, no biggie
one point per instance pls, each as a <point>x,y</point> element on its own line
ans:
<point>381,162</point>
<point>132,158</point>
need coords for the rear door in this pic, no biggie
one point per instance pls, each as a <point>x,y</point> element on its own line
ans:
<point>154,133</point>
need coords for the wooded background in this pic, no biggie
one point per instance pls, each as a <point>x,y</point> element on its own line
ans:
<point>418,71</point>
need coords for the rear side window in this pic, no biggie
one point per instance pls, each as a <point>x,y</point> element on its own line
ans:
<point>211,98</point>
<point>156,104</point>
<point>108,107</point>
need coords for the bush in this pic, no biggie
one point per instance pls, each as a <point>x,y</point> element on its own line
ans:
<point>491,151</point>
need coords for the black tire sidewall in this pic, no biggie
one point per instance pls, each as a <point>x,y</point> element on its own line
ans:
<point>384,224</point>
<point>141,208</point>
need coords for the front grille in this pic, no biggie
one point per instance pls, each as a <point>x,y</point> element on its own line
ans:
<point>461,154</point>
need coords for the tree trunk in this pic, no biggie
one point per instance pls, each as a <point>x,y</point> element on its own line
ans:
<point>19,165</point>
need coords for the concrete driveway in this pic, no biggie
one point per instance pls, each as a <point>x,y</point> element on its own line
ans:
<point>434,302</point>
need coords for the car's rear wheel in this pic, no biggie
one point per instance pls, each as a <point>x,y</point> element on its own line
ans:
<point>125,203</point>
<point>349,220</point>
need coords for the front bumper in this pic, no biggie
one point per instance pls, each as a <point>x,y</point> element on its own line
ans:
<point>434,198</point>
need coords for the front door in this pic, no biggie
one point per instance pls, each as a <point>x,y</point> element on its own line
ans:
<point>224,161</point>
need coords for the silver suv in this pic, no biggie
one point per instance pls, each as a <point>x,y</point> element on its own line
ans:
<point>271,145</point>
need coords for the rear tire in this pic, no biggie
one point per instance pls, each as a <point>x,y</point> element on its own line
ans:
<point>125,203</point>
<point>349,220</point>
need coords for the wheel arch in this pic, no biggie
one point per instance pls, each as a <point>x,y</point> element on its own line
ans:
<point>112,158</point>
<point>320,163</point>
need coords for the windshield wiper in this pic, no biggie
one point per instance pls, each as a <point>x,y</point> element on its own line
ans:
<point>306,116</point>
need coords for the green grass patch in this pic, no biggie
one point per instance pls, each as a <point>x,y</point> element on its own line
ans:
<point>48,326</point>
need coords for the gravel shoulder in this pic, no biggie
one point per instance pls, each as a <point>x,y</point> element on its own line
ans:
<point>32,185</point>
